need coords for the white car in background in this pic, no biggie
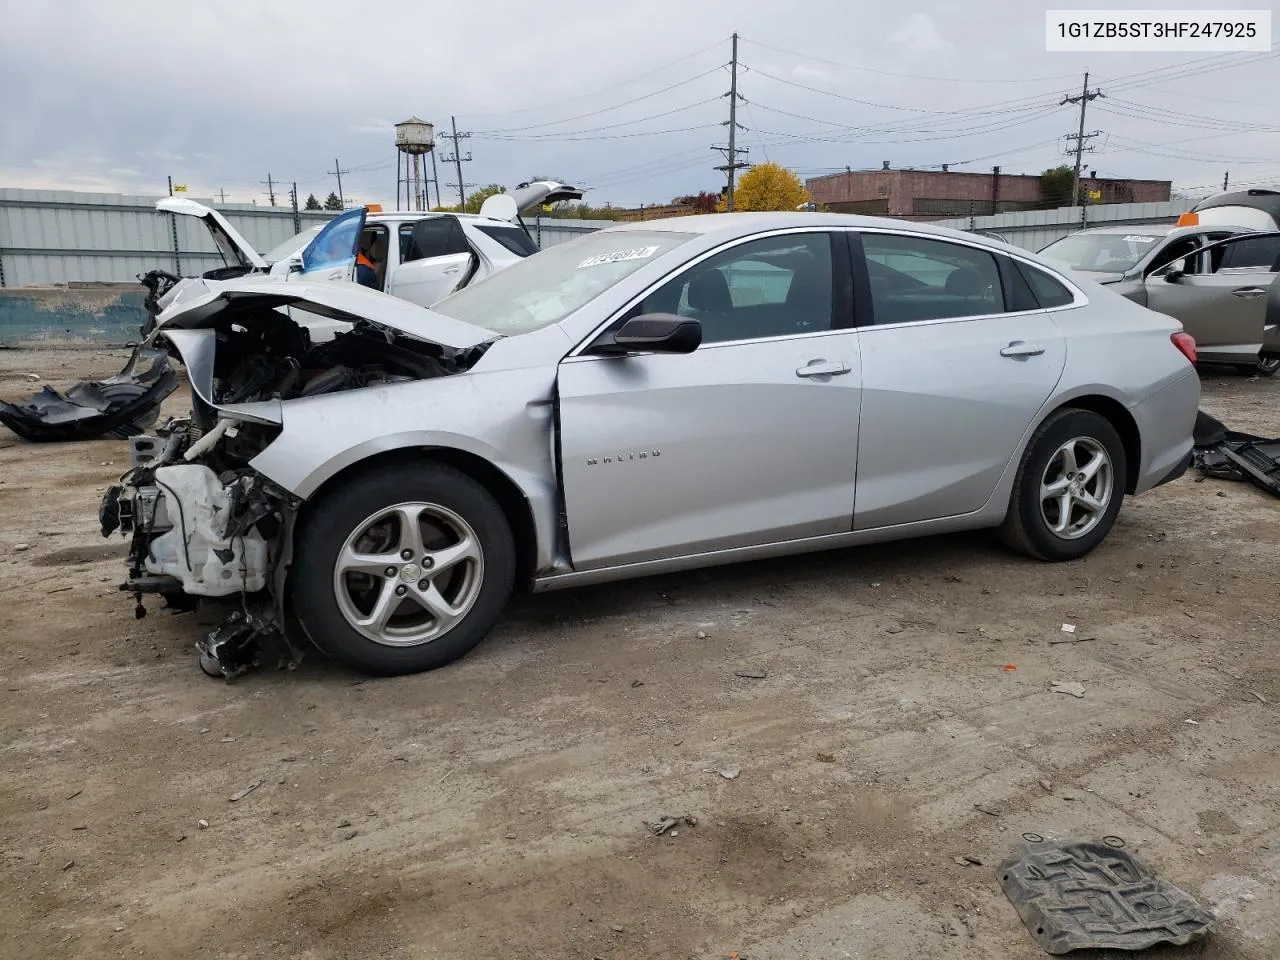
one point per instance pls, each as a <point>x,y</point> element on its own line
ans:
<point>419,256</point>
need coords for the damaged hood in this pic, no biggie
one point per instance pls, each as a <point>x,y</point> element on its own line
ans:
<point>199,303</point>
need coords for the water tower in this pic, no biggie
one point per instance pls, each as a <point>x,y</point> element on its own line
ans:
<point>414,140</point>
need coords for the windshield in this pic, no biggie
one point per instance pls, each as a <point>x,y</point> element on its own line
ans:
<point>293,245</point>
<point>546,288</point>
<point>1101,252</point>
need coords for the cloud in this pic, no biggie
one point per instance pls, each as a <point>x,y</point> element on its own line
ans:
<point>238,104</point>
<point>920,35</point>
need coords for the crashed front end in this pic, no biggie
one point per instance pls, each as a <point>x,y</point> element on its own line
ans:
<point>205,528</point>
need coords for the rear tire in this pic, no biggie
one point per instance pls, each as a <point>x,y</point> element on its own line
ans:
<point>1265,367</point>
<point>404,569</point>
<point>1068,489</point>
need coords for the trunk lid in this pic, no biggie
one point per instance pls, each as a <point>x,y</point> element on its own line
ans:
<point>234,247</point>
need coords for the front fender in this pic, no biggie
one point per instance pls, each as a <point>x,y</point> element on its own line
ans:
<point>504,417</point>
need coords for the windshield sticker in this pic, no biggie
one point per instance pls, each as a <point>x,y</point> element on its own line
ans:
<point>1140,239</point>
<point>639,253</point>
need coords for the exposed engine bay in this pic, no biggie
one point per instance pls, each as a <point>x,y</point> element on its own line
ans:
<point>204,526</point>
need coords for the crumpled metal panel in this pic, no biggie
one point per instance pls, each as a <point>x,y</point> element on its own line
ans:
<point>1091,895</point>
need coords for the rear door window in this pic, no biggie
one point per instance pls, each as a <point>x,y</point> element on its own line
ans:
<point>918,278</point>
<point>513,238</point>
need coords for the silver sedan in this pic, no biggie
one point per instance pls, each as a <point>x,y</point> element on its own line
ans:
<point>649,398</point>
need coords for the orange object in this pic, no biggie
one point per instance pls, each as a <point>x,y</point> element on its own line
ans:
<point>373,207</point>
<point>1189,219</point>
<point>1009,668</point>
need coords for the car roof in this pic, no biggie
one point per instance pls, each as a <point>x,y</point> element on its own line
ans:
<point>730,225</point>
<point>1158,229</point>
<point>401,215</point>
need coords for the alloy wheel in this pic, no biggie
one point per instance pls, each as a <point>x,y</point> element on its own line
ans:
<point>1077,487</point>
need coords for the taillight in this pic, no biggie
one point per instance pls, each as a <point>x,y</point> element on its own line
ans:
<point>1186,345</point>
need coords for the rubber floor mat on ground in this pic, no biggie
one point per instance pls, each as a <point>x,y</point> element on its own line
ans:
<point>1094,895</point>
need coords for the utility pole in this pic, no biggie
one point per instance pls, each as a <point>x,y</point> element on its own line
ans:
<point>732,165</point>
<point>1226,178</point>
<point>456,159</point>
<point>173,232</point>
<point>1080,137</point>
<point>271,188</point>
<point>222,195</point>
<point>293,197</point>
<point>337,171</point>
<point>435,178</point>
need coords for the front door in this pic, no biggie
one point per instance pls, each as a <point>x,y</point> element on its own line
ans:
<point>952,376</point>
<point>1225,307</point>
<point>331,255</point>
<point>750,439</point>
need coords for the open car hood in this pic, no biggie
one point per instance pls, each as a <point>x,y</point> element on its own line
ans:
<point>201,303</point>
<point>527,196</point>
<point>234,247</point>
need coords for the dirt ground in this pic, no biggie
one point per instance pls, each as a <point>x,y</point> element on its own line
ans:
<point>497,808</point>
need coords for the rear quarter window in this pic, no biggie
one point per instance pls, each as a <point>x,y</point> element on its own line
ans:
<point>513,238</point>
<point>1049,292</point>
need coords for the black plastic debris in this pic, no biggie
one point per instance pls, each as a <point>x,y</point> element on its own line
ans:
<point>120,406</point>
<point>1227,455</point>
<point>1094,895</point>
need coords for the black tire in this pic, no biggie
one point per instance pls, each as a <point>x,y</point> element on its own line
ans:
<point>1025,528</point>
<point>334,518</point>
<point>1265,367</point>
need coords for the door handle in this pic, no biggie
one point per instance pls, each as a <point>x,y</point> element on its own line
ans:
<point>1018,349</point>
<point>451,270</point>
<point>822,368</point>
<point>1249,293</point>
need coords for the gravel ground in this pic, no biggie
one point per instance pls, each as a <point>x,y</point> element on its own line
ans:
<point>497,807</point>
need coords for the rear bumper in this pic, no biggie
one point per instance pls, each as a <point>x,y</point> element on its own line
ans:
<point>1181,468</point>
<point>1166,422</point>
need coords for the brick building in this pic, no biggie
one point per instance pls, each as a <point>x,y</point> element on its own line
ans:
<point>933,195</point>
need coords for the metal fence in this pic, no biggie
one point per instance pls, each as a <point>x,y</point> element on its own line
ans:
<point>1034,229</point>
<point>60,236</point>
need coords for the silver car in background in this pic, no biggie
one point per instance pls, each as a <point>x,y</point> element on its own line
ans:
<point>1212,278</point>
<point>649,398</point>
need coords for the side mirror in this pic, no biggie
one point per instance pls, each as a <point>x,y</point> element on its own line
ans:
<point>1175,271</point>
<point>652,333</point>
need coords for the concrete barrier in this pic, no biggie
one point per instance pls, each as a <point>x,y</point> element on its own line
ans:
<point>107,313</point>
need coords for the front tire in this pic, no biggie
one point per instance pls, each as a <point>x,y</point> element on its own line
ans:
<point>1068,489</point>
<point>403,570</point>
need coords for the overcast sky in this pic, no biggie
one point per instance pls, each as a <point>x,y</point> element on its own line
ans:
<point>118,95</point>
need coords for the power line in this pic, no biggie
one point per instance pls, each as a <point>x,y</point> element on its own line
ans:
<point>599,90</point>
<point>609,109</point>
<point>610,126</point>
<point>904,76</point>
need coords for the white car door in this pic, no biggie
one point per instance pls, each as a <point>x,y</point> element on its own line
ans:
<point>954,368</point>
<point>434,261</point>
<point>750,439</point>
<point>331,255</point>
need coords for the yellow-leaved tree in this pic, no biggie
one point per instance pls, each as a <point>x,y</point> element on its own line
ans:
<point>768,186</point>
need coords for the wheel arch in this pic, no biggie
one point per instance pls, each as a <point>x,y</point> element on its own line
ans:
<point>1118,415</point>
<point>511,499</point>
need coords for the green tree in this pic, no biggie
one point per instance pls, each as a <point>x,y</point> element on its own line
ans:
<point>332,202</point>
<point>477,199</point>
<point>312,202</point>
<point>1055,185</point>
<point>768,186</point>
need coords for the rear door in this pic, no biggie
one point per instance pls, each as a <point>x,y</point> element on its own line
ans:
<point>956,362</point>
<point>435,260</point>
<point>1225,308</point>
